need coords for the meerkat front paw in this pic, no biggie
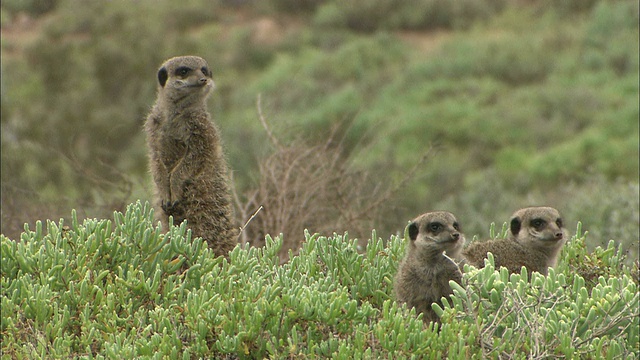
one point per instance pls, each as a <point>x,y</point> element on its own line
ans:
<point>167,206</point>
<point>174,209</point>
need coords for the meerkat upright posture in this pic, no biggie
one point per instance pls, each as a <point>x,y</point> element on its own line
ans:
<point>535,242</point>
<point>435,243</point>
<point>185,153</point>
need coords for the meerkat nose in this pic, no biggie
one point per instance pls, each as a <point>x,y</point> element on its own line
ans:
<point>559,235</point>
<point>456,235</point>
<point>203,80</point>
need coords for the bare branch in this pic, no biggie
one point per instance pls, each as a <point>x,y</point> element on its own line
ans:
<point>273,139</point>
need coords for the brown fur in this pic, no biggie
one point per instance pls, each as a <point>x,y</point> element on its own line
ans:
<point>535,240</point>
<point>185,153</point>
<point>424,274</point>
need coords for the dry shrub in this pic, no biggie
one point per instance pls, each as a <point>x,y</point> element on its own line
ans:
<point>314,187</point>
<point>19,205</point>
<point>23,203</point>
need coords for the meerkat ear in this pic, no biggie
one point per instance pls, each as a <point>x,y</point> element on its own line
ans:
<point>515,225</point>
<point>413,231</point>
<point>162,76</point>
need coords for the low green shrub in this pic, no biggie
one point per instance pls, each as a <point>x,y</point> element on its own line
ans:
<point>372,15</point>
<point>33,7</point>
<point>112,288</point>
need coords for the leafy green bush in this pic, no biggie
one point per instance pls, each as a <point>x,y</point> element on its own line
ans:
<point>607,210</point>
<point>372,15</point>
<point>530,315</point>
<point>296,6</point>
<point>111,288</point>
<point>34,7</point>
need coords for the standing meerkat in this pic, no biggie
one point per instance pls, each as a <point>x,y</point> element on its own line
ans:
<point>535,242</point>
<point>435,243</point>
<point>185,154</point>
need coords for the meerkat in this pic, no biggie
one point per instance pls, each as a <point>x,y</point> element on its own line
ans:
<point>535,240</point>
<point>185,154</point>
<point>434,248</point>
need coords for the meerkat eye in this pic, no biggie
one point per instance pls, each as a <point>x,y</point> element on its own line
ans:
<point>538,223</point>
<point>205,71</point>
<point>434,227</point>
<point>456,226</point>
<point>182,71</point>
<point>559,222</point>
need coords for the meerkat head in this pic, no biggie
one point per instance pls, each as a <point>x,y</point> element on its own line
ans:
<point>185,79</point>
<point>538,225</point>
<point>439,231</point>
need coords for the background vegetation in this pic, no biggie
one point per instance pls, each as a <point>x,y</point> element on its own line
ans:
<point>524,102</point>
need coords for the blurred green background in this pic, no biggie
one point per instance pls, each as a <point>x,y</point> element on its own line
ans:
<point>525,102</point>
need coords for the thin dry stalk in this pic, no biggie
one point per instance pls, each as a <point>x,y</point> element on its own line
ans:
<point>314,187</point>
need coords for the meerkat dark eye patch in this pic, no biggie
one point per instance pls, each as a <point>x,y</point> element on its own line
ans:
<point>413,231</point>
<point>515,225</point>
<point>559,222</point>
<point>206,71</point>
<point>538,224</point>
<point>162,76</point>
<point>182,71</point>
<point>456,226</point>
